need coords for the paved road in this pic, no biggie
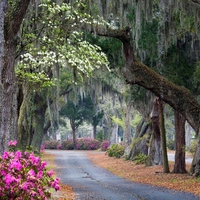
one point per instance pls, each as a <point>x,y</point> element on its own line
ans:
<point>91,182</point>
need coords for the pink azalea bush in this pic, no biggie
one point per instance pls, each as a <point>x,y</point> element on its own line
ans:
<point>67,144</point>
<point>87,144</point>
<point>51,144</point>
<point>24,176</point>
<point>105,145</point>
<point>81,144</point>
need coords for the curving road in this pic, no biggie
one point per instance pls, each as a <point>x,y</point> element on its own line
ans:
<point>91,182</point>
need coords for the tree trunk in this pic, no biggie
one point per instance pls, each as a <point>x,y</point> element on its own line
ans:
<point>39,119</point>
<point>8,83</point>
<point>13,19</point>
<point>94,131</point>
<point>140,141</point>
<point>127,132</point>
<point>155,150</point>
<point>3,7</point>
<point>24,121</point>
<point>179,166</point>
<point>38,129</point>
<point>163,136</point>
<point>188,135</point>
<point>114,134</point>
<point>195,167</point>
<point>73,132</point>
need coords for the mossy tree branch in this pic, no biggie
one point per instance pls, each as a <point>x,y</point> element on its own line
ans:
<point>136,72</point>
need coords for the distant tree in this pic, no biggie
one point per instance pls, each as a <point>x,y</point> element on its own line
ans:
<point>71,111</point>
<point>95,121</point>
<point>77,113</point>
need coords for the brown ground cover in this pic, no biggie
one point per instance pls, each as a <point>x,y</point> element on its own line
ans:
<point>139,173</point>
<point>150,175</point>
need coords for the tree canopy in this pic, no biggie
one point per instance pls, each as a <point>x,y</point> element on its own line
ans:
<point>51,49</point>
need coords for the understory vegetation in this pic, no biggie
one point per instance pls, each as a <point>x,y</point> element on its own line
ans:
<point>116,150</point>
<point>81,144</point>
<point>25,176</point>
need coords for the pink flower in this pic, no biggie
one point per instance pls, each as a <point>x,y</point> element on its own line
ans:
<point>50,173</point>
<point>18,154</point>
<point>34,160</point>
<point>25,186</point>
<point>57,187</point>
<point>8,179</point>
<point>16,165</point>
<point>12,143</point>
<point>5,155</point>
<point>33,194</point>
<point>31,172</point>
<point>43,165</point>
<point>40,174</point>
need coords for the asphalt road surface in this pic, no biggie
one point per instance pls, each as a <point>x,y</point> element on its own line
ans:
<point>92,182</point>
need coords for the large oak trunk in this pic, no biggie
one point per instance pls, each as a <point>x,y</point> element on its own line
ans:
<point>127,132</point>
<point>140,140</point>
<point>163,136</point>
<point>38,120</point>
<point>155,150</point>
<point>13,19</point>
<point>179,166</point>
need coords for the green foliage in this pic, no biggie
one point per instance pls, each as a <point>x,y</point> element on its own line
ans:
<point>118,121</point>
<point>179,69</point>
<point>111,47</point>
<point>116,150</point>
<point>97,117</point>
<point>56,40</point>
<point>193,146</point>
<point>137,140</point>
<point>141,159</point>
<point>171,144</point>
<point>71,111</point>
<point>137,119</point>
<point>32,149</point>
<point>82,111</point>
<point>67,144</point>
<point>148,41</point>
<point>100,135</point>
<point>137,94</point>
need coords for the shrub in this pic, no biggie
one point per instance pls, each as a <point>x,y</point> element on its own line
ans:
<point>141,159</point>
<point>24,176</point>
<point>116,150</point>
<point>193,146</point>
<point>87,144</point>
<point>81,144</point>
<point>100,135</point>
<point>32,149</point>
<point>67,144</point>
<point>171,144</point>
<point>105,145</point>
<point>52,144</point>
